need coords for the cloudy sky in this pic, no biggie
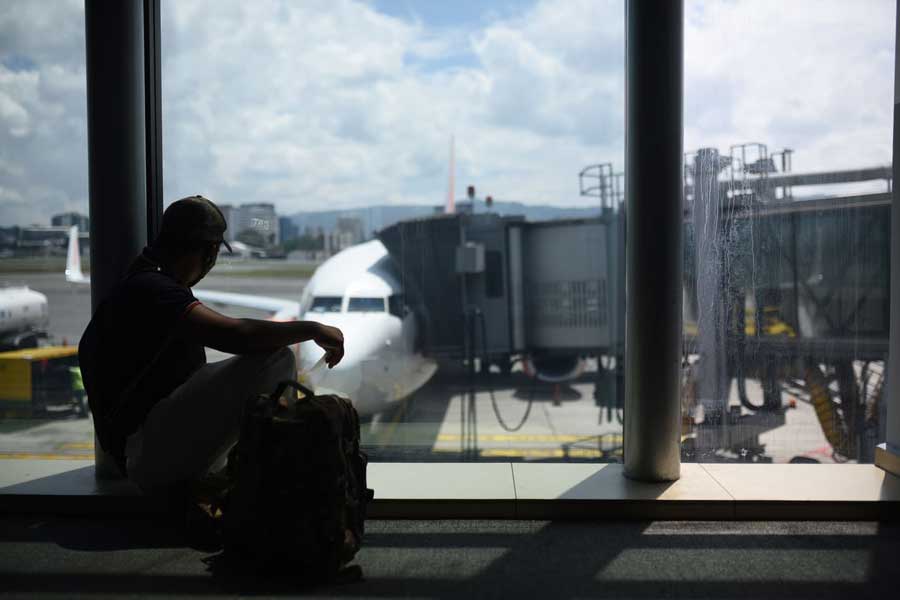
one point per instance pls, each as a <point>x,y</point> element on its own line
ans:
<point>340,103</point>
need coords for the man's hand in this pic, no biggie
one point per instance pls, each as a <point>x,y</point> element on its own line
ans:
<point>332,341</point>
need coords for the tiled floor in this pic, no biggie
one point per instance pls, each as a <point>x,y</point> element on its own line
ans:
<point>530,490</point>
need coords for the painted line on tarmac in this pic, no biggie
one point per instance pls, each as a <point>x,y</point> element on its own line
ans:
<point>538,452</point>
<point>76,446</point>
<point>47,456</point>
<point>526,437</point>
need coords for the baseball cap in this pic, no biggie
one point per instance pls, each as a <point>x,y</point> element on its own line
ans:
<point>194,218</point>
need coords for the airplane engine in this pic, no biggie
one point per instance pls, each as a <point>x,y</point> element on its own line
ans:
<point>554,369</point>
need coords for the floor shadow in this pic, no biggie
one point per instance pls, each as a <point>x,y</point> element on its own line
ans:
<point>97,535</point>
<point>491,559</point>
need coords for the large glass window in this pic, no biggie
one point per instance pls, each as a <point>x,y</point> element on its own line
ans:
<point>462,160</point>
<point>341,144</point>
<point>470,159</point>
<point>788,120</point>
<point>44,304</point>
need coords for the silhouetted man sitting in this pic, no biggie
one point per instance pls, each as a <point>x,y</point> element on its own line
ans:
<point>164,414</point>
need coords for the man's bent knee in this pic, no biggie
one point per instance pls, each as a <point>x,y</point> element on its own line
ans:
<point>280,365</point>
<point>285,362</point>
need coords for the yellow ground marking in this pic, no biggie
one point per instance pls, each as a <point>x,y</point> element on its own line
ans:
<point>539,452</point>
<point>24,456</point>
<point>532,437</point>
<point>77,446</point>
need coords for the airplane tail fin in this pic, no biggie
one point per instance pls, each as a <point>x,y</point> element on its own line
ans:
<point>73,258</point>
<point>451,203</point>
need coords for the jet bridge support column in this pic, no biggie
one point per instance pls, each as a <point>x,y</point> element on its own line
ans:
<point>712,379</point>
<point>116,150</point>
<point>653,189</point>
<point>887,455</point>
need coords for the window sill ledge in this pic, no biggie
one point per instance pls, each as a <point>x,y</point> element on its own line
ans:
<point>714,491</point>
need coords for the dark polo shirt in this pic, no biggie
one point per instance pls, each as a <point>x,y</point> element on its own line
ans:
<point>136,323</point>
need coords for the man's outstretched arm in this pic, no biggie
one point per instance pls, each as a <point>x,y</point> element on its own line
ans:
<point>245,336</point>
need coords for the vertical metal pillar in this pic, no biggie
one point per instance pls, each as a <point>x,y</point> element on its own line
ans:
<point>116,149</point>
<point>887,455</point>
<point>654,42</point>
<point>153,110</point>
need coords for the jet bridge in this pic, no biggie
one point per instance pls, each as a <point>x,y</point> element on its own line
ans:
<point>544,289</point>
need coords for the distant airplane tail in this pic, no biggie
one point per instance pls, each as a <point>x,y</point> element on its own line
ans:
<point>73,258</point>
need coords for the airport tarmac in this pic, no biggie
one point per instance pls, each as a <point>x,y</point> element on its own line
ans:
<point>446,420</point>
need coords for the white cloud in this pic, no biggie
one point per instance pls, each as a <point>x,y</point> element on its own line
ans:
<point>14,116</point>
<point>332,104</point>
<point>43,140</point>
<point>816,76</point>
<point>306,111</point>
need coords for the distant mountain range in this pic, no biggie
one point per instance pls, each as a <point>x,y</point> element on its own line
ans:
<point>376,218</point>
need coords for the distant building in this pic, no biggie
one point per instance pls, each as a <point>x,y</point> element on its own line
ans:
<point>348,232</point>
<point>337,241</point>
<point>71,218</point>
<point>287,229</point>
<point>40,240</point>
<point>260,218</point>
<point>353,226</point>
<point>9,237</point>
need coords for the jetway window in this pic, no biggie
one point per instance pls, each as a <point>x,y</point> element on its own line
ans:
<point>326,304</point>
<point>366,305</point>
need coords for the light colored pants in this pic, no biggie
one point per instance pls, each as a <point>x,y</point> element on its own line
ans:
<point>190,432</point>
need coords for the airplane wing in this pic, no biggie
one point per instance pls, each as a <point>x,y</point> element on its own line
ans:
<point>282,310</point>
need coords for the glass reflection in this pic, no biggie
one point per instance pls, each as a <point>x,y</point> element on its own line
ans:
<point>786,314</point>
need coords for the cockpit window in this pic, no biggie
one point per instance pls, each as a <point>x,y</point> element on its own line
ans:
<point>326,304</point>
<point>366,305</point>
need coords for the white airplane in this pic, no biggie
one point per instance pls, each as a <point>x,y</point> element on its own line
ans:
<point>23,317</point>
<point>356,292</point>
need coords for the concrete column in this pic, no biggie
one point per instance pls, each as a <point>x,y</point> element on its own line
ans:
<point>887,455</point>
<point>116,149</point>
<point>653,190</point>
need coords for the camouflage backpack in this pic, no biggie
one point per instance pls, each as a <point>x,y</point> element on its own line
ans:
<point>299,495</point>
